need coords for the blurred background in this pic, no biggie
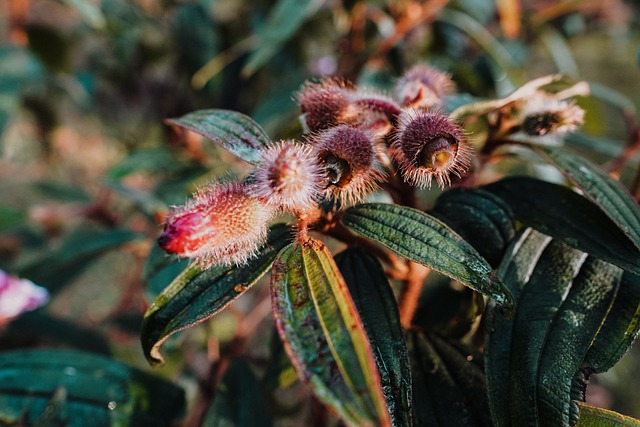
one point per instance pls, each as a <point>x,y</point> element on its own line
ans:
<point>88,168</point>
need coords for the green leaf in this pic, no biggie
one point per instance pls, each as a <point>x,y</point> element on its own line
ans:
<point>591,416</point>
<point>239,400</point>
<point>518,263</point>
<point>197,295</point>
<point>425,239</point>
<point>619,329</point>
<point>608,194</point>
<point>449,387</point>
<point>565,215</point>
<point>10,218</point>
<point>286,17</point>
<point>89,390</point>
<point>378,310</point>
<point>280,372</point>
<point>324,335</point>
<point>478,216</point>
<point>236,132</point>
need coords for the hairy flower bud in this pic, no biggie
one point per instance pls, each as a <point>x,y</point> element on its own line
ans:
<point>349,157</point>
<point>321,103</point>
<point>372,111</point>
<point>289,177</point>
<point>429,144</point>
<point>542,114</point>
<point>221,225</point>
<point>422,87</point>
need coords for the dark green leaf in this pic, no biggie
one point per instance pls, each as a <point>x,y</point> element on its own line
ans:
<point>196,295</point>
<point>591,416</point>
<point>425,239</point>
<point>280,372</point>
<point>563,214</point>
<point>620,328</point>
<point>599,187</point>
<point>378,310</point>
<point>286,17</point>
<point>481,218</point>
<point>323,334</point>
<point>157,159</point>
<point>91,391</point>
<point>234,131</point>
<point>517,264</point>
<point>239,400</point>
<point>10,218</point>
<point>61,192</point>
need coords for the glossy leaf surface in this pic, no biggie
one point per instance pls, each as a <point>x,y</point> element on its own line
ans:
<point>196,295</point>
<point>89,390</point>
<point>324,335</point>
<point>427,240</point>
<point>591,416</point>
<point>378,310</point>
<point>563,214</point>
<point>234,131</point>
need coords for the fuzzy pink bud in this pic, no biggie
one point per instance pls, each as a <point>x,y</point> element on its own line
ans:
<point>427,145</point>
<point>423,86</point>
<point>19,295</point>
<point>321,103</point>
<point>289,177</point>
<point>372,111</point>
<point>349,157</point>
<point>220,225</point>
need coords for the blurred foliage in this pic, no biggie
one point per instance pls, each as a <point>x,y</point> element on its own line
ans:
<point>88,167</point>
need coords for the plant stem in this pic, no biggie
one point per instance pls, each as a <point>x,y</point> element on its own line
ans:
<point>411,292</point>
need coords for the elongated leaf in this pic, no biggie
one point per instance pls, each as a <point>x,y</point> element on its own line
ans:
<point>286,17</point>
<point>597,186</point>
<point>591,416</point>
<point>323,334</point>
<point>238,400</point>
<point>425,239</point>
<point>515,269</point>
<point>482,219</point>
<point>565,215</point>
<point>378,310</point>
<point>620,328</point>
<point>234,131</point>
<point>90,390</point>
<point>196,295</point>
<point>449,388</point>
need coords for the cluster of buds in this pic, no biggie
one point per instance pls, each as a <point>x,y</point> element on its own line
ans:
<point>354,140</point>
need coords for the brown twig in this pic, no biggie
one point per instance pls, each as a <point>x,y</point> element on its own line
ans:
<point>411,292</point>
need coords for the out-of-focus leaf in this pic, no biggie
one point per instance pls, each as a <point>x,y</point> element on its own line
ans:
<point>597,186</point>
<point>90,12</point>
<point>157,159</point>
<point>10,218</point>
<point>378,310</point>
<point>56,267</point>
<point>482,219</point>
<point>196,295</point>
<point>323,334</point>
<point>61,192</point>
<point>591,416</point>
<point>236,132</point>
<point>620,328</point>
<point>565,215</point>
<point>518,263</point>
<point>286,17</point>
<point>239,400</point>
<point>425,239</point>
<point>197,35</point>
<point>280,372</point>
<point>145,201</point>
<point>449,387</point>
<point>160,269</point>
<point>92,390</point>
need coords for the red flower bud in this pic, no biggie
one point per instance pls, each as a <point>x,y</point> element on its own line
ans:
<point>372,111</point>
<point>289,177</point>
<point>427,145</point>
<point>349,157</point>
<point>321,103</point>
<point>423,87</point>
<point>221,225</point>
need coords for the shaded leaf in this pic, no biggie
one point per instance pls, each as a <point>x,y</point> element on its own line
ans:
<point>591,416</point>
<point>323,334</point>
<point>280,372</point>
<point>600,188</point>
<point>286,17</point>
<point>96,391</point>
<point>482,219</point>
<point>378,310</point>
<point>563,214</point>
<point>196,295</point>
<point>425,239</point>
<point>234,131</point>
<point>239,400</point>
